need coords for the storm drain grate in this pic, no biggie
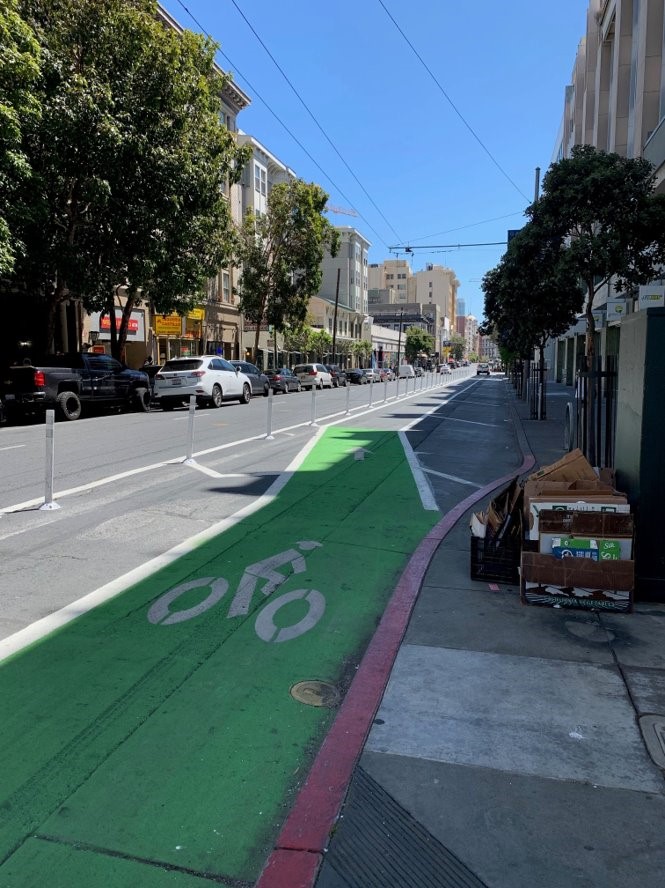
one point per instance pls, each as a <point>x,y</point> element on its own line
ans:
<point>653,731</point>
<point>377,844</point>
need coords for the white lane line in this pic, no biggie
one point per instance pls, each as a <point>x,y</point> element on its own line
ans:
<point>452,478</point>
<point>13,447</point>
<point>37,630</point>
<point>433,409</point>
<point>424,489</point>
<point>203,469</point>
<point>490,425</point>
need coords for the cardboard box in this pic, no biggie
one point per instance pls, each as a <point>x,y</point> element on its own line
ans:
<point>578,490</point>
<point>585,547</point>
<point>574,466</point>
<point>606,526</point>
<point>577,582</point>
<point>595,503</point>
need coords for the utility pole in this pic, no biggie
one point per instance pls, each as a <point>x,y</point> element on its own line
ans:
<point>399,338</point>
<point>339,271</point>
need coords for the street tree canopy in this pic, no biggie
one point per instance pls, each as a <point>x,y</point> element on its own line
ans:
<point>281,253</point>
<point>613,225</point>
<point>534,292</point>
<point>131,162</point>
<point>19,70</point>
<point>417,341</point>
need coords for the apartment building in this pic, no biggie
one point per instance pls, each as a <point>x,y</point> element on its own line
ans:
<point>343,296</point>
<point>616,102</point>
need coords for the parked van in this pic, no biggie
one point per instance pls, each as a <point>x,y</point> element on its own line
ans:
<point>406,371</point>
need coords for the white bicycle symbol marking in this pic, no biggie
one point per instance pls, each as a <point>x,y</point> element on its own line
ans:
<point>162,613</point>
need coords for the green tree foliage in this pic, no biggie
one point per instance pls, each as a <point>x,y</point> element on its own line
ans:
<point>417,341</point>
<point>362,349</point>
<point>533,293</point>
<point>131,160</point>
<point>19,70</point>
<point>458,346</point>
<point>320,343</point>
<point>613,224</point>
<point>281,254</point>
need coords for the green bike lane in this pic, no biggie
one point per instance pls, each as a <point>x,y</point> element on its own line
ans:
<point>154,740</point>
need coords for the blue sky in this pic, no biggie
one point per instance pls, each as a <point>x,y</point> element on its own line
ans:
<point>404,158</point>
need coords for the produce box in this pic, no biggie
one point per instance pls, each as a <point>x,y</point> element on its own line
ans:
<point>586,547</point>
<point>574,466</point>
<point>576,582</point>
<point>610,527</point>
<point>591,503</point>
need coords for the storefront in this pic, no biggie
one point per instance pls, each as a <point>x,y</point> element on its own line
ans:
<point>97,332</point>
<point>178,336</point>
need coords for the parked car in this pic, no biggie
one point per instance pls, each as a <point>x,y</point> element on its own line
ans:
<point>210,378</point>
<point>258,380</point>
<point>338,374</point>
<point>483,369</point>
<point>72,383</point>
<point>372,375</point>
<point>386,374</point>
<point>313,375</point>
<point>418,371</point>
<point>357,376</point>
<point>406,371</point>
<point>283,380</point>
<point>445,370</point>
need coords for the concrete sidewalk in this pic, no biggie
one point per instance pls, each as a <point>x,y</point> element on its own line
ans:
<point>507,750</point>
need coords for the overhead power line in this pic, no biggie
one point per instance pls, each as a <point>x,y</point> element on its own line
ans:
<point>405,248</point>
<point>454,106</point>
<point>311,114</point>
<point>282,124</point>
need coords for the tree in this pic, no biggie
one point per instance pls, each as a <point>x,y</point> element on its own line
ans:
<point>533,294</point>
<point>281,254</point>
<point>417,341</point>
<point>319,343</point>
<point>458,346</point>
<point>613,224</point>
<point>362,349</point>
<point>131,161</point>
<point>19,71</point>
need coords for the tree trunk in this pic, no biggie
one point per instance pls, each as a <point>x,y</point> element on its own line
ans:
<point>124,325</point>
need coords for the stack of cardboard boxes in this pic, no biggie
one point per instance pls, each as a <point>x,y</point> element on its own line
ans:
<point>565,534</point>
<point>582,530</point>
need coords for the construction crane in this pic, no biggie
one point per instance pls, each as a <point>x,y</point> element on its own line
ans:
<point>342,210</point>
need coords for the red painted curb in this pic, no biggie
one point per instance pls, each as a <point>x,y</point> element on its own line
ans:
<point>305,834</point>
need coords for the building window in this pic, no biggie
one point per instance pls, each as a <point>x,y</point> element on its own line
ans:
<point>260,179</point>
<point>226,286</point>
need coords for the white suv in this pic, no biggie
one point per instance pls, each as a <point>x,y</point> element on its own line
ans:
<point>209,378</point>
<point>313,375</point>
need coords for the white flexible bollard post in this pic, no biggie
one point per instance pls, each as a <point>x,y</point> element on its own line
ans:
<point>269,434</point>
<point>49,504</point>
<point>312,421</point>
<point>348,395</point>
<point>189,459</point>
<point>371,392</point>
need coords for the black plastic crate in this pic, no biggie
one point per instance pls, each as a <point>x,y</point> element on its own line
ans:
<point>495,561</point>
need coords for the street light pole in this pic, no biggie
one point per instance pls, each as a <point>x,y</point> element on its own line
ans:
<point>399,338</point>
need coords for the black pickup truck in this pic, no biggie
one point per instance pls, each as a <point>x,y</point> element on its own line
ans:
<point>72,383</point>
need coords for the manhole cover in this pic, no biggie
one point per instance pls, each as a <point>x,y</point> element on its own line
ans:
<point>653,731</point>
<point>315,693</point>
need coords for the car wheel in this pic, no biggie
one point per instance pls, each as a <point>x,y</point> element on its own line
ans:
<point>299,387</point>
<point>142,400</point>
<point>266,390</point>
<point>246,396</point>
<point>69,405</point>
<point>217,396</point>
